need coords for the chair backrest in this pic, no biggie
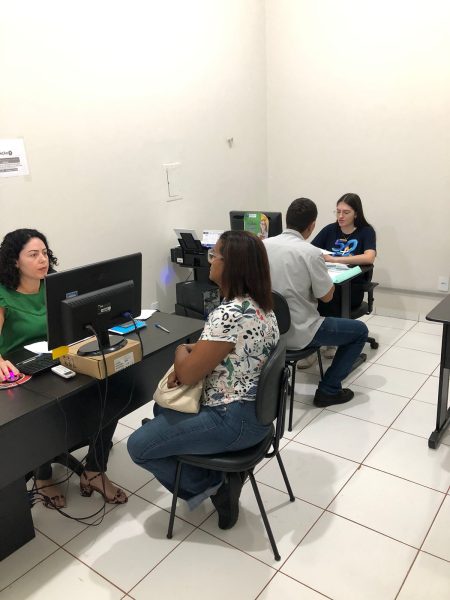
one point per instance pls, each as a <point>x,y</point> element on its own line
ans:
<point>272,389</point>
<point>282,312</point>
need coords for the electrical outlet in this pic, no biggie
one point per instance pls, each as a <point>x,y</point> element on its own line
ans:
<point>442,283</point>
<point>154,305</point>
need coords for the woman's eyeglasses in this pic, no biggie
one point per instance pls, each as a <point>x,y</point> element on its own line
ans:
<point>342,212</point>
<point>212,255</point>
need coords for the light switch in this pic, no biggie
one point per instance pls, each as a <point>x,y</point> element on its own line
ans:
<point>173,176</point>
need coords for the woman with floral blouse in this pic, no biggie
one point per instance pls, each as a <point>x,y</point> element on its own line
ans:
<point>235,343</point>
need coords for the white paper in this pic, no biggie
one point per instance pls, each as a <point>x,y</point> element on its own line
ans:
<point>180,231</point>
<point>146,314</point>
<point>13,159</point>
<point>210,237</point>
<point>337,266</point>
<point>38,347</point>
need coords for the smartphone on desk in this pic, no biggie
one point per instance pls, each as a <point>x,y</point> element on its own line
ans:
<point>127,327</point>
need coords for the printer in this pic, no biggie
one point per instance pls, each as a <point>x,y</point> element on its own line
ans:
<point>199,297</point>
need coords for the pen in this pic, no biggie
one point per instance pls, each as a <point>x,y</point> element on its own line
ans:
<point>158,326</point>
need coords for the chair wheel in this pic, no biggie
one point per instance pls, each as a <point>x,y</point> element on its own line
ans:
<point>374,345</point>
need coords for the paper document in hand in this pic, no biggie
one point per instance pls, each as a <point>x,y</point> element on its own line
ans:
<point>337,266</point>
<point>339,275</point>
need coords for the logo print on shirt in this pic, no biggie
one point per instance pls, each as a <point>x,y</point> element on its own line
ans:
<point>344,247</point>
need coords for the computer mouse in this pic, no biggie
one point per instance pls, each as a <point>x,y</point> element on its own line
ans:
<point>12,377</point>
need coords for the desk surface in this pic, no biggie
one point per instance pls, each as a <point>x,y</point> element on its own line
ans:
<point>47,415</point>
<point>47,387</point>
<point>441,312</point>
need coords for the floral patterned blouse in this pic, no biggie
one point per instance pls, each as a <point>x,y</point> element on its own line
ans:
<point>254,333</point>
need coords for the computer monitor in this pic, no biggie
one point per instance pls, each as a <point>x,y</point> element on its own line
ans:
<point>275,220</point>
<point>99,295</point>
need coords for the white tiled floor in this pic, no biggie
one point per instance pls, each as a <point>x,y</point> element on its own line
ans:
<point>371,518</point>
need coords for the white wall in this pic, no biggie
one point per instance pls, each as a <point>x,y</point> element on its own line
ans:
<point>103,94</point>
<point>358,101</point>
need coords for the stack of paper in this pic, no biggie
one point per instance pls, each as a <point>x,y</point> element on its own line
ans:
<point>338,274</point>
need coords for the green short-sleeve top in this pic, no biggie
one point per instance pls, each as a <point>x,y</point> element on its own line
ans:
<point>25,318</point>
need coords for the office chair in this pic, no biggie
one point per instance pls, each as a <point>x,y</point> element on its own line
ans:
<point>283,315</point>
<point>270,406</point>
<point>365,308</point>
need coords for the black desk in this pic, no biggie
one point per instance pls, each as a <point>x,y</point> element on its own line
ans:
<point>44,417</point>
<point>346,302</point>
<point>441,314</point>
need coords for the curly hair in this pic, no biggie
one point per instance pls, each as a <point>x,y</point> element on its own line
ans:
<point>10,249</point>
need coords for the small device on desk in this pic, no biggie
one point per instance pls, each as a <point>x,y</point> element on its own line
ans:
<point>63,372</point>
<point>127,327</point>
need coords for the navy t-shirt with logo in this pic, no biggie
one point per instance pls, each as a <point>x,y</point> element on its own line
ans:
<point>341,244</point>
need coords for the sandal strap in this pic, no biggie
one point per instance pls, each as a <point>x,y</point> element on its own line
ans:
<point>89,479</point>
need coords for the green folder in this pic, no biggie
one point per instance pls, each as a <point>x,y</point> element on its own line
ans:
<point>343,274</point>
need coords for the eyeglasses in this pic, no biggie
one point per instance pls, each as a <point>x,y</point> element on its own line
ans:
<point>342,212</point>
<point>212,255</point>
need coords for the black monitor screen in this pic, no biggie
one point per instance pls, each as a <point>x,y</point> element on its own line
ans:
<point>97,295</point>
<point>275,220</point>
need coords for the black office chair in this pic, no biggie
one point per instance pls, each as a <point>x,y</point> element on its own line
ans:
<point>365,308</point>
<point>283,315</point>
<point>270,406</point>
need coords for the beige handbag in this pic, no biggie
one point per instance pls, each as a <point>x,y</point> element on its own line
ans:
<point>184,398</point>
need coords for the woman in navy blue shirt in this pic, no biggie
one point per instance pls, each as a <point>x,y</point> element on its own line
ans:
<point>352,241</point>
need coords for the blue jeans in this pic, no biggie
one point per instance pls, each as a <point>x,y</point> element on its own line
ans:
<point>155,445</point>
<point>349,336</point>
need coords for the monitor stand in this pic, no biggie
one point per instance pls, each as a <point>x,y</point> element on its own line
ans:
<point>109,343</point>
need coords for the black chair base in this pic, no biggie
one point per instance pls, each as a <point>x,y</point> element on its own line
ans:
<point>234,462</point>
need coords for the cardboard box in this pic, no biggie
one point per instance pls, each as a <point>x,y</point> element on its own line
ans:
<point>94,365</point>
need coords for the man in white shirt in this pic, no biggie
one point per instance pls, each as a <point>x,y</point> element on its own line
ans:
<point>298,272</point>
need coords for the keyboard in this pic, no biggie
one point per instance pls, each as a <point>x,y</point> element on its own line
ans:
<point>37,364</point>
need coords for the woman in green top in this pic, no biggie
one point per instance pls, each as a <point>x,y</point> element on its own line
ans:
<point>25,260</point>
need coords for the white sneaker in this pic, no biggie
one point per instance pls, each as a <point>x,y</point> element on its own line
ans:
<point>307,362</point>
<point>329,351</point>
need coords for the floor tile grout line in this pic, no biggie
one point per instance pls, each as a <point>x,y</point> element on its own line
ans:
<point>94,570</point>
<point>427,487</point>
<point>167,510</point>
<point>435,556</point>
<point>407,574</point>
<point>355,382</point>
<point>397,328</point>
<point>246,552</point>
<point>431,525</point>
<point>365,465</point>
<point>87,525</point>
<point>296,581</point>
<point>399,368</point>
<point>391,537</point>
<point>34,566</point>
<point>415,349</point>
<point>189,533</point>
<point>272,487</point>
<point>301,540</point>
<point>335,412</point>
